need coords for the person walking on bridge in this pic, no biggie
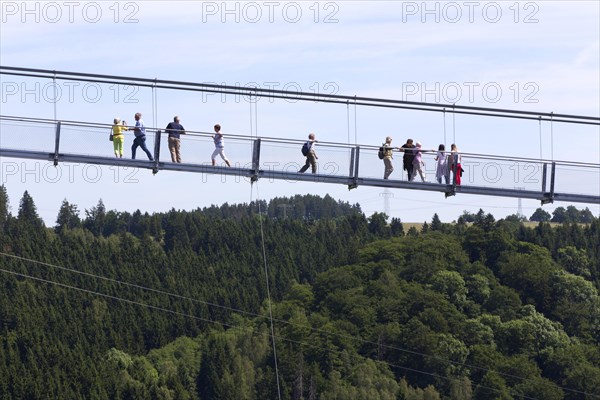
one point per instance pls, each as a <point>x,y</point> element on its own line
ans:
<point>441,170</point>
<point>308,149</point>
<point>408,158</point>
<point>219,146</point>
<point>387,151</point>
<point>140,137</point>
<point>418,163</point>
<point>455,163</point>
<point>174,129</point>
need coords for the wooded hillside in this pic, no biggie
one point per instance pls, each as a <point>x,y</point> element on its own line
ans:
<point>125,305</point>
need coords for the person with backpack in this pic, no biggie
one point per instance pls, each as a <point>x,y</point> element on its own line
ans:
<point>308,150</point>
<point>386,154</point>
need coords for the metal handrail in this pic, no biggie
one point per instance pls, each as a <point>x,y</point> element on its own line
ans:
<point>265,139</point>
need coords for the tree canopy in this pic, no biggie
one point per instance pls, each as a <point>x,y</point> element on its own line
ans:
<point>174,305</point>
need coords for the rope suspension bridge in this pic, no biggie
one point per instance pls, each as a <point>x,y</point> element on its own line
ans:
<point>69,141</point>
<point>489,175</point>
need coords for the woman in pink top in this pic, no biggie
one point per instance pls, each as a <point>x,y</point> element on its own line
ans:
<point>418,163</point>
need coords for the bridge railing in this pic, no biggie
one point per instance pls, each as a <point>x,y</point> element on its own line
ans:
<point>577,178</point>
<point>280,158</point>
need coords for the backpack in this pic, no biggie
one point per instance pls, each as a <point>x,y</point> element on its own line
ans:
<point>380,153</point>
<point>305,149</point>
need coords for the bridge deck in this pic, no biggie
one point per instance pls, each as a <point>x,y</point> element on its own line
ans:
<point>542,180</point>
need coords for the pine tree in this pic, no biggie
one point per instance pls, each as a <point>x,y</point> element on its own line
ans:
<point>436,224</point>
<point>28,211</point>
<point>68,217</point>
<point>3,207</point>
<point>397,227</point>
<point>95,218</point>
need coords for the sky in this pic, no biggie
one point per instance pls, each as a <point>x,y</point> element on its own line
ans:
<point>541,56</point>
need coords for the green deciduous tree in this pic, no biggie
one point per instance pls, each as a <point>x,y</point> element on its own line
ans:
<point>492,387</point>
<point>452,285</point>
<point>540,215</point>
<point>378,225</point>
<point>575,261</point>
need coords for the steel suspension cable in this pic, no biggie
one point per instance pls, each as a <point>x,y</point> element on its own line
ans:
<point>264,255</point>
<point>266,269</point>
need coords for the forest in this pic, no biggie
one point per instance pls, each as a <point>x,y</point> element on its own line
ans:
<point>297,298</point>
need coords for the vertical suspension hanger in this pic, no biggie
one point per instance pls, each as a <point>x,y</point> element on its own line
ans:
<point>256,113</point>
<point>355,130</point>
<point>155,125</point>
<point>348,123</point>
<point>251,120</point>
<point>154,108</point>
<point>540,128</point>
<point>54,89</point>
<point>454,123</point>
<point>253,95</point>
<point>445,141</point>
<point>552,135</point>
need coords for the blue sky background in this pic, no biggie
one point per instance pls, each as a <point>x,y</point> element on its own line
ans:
<point>544,56</point>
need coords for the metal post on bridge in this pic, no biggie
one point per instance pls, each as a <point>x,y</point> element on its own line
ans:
<point>552,176</point>
<point>156,152</point>
<point>352,152</point>
<point>56,143</point>
<point>354,158</point>
<point>544,175</point>
<point>548,197</point>
<point>255,160</point>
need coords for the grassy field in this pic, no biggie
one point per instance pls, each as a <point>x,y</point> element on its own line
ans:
<point>419,225</point>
